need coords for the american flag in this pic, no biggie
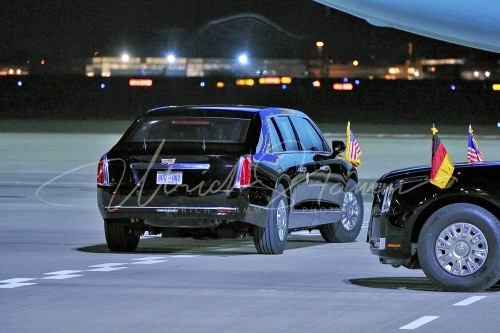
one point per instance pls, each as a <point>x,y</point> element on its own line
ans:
<point>353,151</point>
<point>473,153</point>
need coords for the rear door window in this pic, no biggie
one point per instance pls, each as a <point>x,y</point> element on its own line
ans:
<point>276,141</point>
<point>287,133</point>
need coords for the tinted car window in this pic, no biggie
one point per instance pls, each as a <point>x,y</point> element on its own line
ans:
<point>287,133</point>
<point>276,144</point>
<point>191,129</point>
<point>308,136</point>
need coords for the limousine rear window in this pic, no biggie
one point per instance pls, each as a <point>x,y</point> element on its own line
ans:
<point>191,129</point>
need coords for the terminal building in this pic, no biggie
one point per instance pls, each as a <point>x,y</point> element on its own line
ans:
<point>212,50</point>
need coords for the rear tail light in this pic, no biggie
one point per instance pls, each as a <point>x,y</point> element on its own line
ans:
<point>103,172</point>
<point>244,173</point>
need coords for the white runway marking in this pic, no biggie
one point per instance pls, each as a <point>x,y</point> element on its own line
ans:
<point>469,300</point>
<point>148,260</point>
<point>184,256</point>
<point>419,322</point>
<point>61,275</point>
<point>16,282</point>
<point>108,267</point>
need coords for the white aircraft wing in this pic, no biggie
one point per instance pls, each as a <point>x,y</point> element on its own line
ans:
<point>472,23</point>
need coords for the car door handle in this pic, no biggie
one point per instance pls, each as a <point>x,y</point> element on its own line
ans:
<point>301,169</point>
<point>325,168</point>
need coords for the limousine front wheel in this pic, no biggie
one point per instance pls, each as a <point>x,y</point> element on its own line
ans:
<point>459,248</point>
<point>347,229</point>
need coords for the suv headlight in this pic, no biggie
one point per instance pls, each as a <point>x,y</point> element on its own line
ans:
<point>386,203</point>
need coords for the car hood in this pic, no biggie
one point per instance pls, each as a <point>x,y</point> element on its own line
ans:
<point>424,170</point>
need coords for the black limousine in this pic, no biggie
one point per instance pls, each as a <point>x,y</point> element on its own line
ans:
<point>226,171</point>
<point>452,234</point>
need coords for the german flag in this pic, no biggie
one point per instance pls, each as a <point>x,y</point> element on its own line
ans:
<point>441,165</point>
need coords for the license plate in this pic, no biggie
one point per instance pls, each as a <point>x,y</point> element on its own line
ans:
<point>169,177</point>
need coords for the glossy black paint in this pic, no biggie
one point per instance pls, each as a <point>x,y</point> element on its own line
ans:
<point>314,178</point>
<point>393,234</point>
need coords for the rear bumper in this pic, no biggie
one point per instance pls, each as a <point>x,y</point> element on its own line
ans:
<point>183,211</point>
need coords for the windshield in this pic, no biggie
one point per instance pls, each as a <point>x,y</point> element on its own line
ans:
<point>191,129</point>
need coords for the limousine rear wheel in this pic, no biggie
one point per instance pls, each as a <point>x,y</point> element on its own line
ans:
<point>120,237</point>
<point>273,237</point>
<point>348,227</point>
<point>459,248</point>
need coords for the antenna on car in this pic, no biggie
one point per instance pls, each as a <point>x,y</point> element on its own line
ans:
<point>140,110</point>
<point>141,114</point>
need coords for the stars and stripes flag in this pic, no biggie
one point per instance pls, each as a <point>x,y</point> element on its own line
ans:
<point>353,151</point>
<point>441,165</point>
<point>473,153</point>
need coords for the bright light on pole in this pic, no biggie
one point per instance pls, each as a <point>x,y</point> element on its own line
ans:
<point>170,58</point>
<point>125,57</point>
<point>243,59</point>
<point>320,45</point>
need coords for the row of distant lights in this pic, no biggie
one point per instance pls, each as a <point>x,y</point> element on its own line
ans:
<point>284,81</point>
<point>344,85</point>
<point>243,59</point>
<point>16,72</point>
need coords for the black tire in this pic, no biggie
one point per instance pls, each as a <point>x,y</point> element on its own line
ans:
<point>120,237</point>
<point>273,237</point>
<point>473,237</point>
<point>347,229</point>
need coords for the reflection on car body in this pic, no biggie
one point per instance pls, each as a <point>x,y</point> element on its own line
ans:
<point>453,234</point>
<point>216,171</point>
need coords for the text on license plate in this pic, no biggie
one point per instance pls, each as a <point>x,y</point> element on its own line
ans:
<point>169,177</point>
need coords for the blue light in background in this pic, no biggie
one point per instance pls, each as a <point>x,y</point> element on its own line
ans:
<point>19,83</point>
<point>202,84</point>
<point>284,87</point>
<point>345,80</point>
<point>103,85</point>
<point>453,87</point>
<point>356,82</point>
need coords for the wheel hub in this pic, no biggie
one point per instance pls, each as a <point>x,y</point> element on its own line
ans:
<point>281,220</point>
<point>350,211</point>
<point>461,249</point>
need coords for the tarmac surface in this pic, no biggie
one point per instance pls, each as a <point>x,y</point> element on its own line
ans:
<point>57,275</point>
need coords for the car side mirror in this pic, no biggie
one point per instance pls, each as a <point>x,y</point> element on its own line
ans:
<point>338,147</point>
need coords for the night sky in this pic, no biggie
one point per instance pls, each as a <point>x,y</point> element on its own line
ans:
<point>60,30</point>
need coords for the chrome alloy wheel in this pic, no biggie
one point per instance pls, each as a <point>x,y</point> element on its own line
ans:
<point>461,249</point>
<point>281,219</point>
<point>350,211</point>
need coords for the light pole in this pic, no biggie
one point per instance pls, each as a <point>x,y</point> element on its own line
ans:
<point>320,45</point>
<point>320,48</point>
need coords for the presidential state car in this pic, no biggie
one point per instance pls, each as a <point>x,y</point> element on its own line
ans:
<point>226,171</point>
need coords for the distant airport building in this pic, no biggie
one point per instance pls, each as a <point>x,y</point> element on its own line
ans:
<point>194,67</point>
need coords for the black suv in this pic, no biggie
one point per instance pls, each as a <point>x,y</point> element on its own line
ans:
<point>453,234</point>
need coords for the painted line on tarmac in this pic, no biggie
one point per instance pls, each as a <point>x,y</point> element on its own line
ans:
<point>469,301</point>
<point>69,274</point>
<point>16,283</point>
<point>62,275</point>
<point>419,322</point>
<point>427,319</point>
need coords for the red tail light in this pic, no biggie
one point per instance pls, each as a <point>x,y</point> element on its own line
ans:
<point>103,172</point>
<point>244,173</point>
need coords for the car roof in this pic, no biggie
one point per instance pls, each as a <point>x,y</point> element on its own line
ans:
<point>264,111</point>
